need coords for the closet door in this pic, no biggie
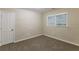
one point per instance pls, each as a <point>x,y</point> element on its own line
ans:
<point>8,27</point>
<point>0,27</point>
<point>11,25</point>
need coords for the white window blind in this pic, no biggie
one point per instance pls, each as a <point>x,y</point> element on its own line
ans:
<point>61,20</point>
<point>58,20</point>
<point>51,20</point>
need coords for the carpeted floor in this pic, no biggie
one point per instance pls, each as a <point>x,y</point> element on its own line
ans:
<point>41,43</point>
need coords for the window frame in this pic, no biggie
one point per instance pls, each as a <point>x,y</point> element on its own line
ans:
<point>67,18</point>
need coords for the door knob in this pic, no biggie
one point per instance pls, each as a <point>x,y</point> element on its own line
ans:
<point>12,29</point>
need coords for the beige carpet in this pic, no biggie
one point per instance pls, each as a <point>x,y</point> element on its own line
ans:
<point>41,43</point>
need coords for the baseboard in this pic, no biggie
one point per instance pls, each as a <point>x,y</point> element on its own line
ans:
<point>27,38</point>
<point>62,40</point>
<point>0,44</point>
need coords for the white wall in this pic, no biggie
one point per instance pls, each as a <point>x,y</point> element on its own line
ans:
<point>28,23</point>
<point>69,34</point>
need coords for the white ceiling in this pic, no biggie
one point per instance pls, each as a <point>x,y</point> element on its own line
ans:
<point>42,10</point>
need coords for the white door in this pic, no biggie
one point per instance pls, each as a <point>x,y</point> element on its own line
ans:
<point>8,27</point>
<point>0,27</point>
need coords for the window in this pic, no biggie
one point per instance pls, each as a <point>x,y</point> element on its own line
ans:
<point>58,20</point>
<point>51,21</point>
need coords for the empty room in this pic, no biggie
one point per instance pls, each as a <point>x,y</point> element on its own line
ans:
<point>39,29</point>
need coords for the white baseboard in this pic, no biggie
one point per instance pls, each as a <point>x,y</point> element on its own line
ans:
<point>47,36</point>
<point>27,38</point>
<point>62,40</point>
<point>0,44</point>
